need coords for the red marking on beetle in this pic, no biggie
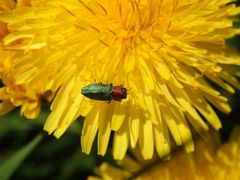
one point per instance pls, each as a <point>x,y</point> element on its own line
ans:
<point>119,93</point>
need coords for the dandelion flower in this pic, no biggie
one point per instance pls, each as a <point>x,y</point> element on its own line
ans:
<point>161,51</point>
<point>209,161</point>
<point>13,95</point>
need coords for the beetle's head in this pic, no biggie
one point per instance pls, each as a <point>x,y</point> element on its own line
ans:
<point>123,93</point>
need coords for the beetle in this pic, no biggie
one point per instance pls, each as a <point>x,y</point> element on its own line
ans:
<point>104,92</point>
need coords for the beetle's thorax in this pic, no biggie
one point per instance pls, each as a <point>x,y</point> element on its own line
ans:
<point>119,93</point>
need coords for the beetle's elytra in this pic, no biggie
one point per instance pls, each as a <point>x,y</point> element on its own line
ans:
<point>104,92</point>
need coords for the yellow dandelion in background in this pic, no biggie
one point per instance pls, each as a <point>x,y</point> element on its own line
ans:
<point>209,161</point>
<point>12,94</point>
<point>161,51</point>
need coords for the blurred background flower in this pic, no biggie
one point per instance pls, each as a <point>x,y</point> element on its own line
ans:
<point>210,160</point>
<point>170,55</point>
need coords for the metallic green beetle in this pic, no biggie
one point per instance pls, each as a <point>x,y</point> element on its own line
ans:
<point>104,92</point>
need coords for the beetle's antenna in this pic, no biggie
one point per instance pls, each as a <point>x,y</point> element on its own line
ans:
<point>129,89</point>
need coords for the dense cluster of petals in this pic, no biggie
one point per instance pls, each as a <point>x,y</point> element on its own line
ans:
<point>210,161</point>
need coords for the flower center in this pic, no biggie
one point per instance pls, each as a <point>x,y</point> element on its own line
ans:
<point>135,21</point>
